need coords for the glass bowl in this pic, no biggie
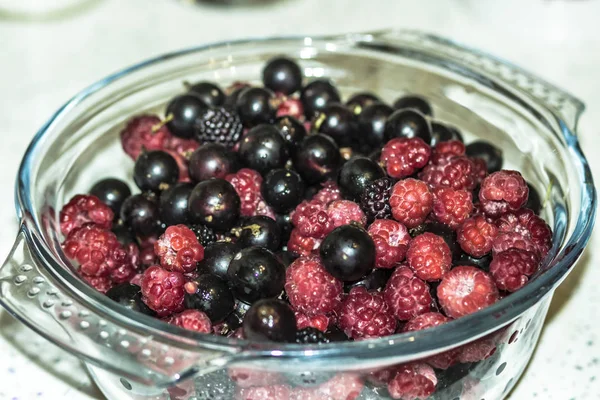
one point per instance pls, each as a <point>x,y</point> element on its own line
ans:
<point>132,356</point>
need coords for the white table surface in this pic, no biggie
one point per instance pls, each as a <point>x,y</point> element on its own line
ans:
<point>44,60</point>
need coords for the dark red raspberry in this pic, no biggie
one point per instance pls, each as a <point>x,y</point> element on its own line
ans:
<point>302,245</point>
<point>183,147</point>
<point>505,241</point>
<point>272,392</point>
<point>125,272</point>
<point>457,173</point>
<point>245,378</point>
<point>391,240</point>
<point>406,295</point>
<point>512,268</point>
<point>444,151</point>
<point>163,290</point>
<point>101,283</point>
<point>179,249</point>
<point>320,321</point>
<point>465,290</point>
<point>144,132</point>
<point>525,223</point>
<point>291,106</point>
<point>366,315</point>
<point>310,288</point>
<point>481,170</point>
<point>451,207</point>
<point>147,257</point>
<point>344,212</point>
<point>478,350</point>
<point>311,219</point>
<point>97,250</point>
<point>247,183</point>
<point>429,256</point>
<point>503,191</point>
<point>411,202</point>
<point>375,200</point>
<point>476,236</point>
<point>403,157</point>
<point>413,381</point>
<point>83,209</point>
<point>329,193</point>
<point>429,320</point>
<point>192,320</point>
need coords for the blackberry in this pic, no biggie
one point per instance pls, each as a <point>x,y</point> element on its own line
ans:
<point>375,200</point>
<point>219,125</point>
<point>311,335</point>
<point>204,234</point>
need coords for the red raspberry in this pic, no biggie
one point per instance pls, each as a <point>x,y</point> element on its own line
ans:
<point>310,288</point>
<point>512,268</point>
<point>192,320</point>
<point>476,236</point>
<point>457,173</point>
<point>183,147</point>
<point>505,241</point>
<point>320,321</point>
<point>429,256</point>
<point>478,350</point>
<point>451,207</point>
<point>101,283</point>
<point>97,250</point>
<point>480,169</point>
<point>525,223</point>
<point>311,219</point>
<point>302,245</point>
<point>413,381</point>
<point>343,386</point>
<point>245,378</point>
<point>83,209</point>
<point>127,271</point>
<point>247,183</point>
<point>465,290</point>
<point>366,315</point>
<point>407,295</point>
<point>391,240</point>
<point>503,191</point>
<point>178,249</point>
<point>147,257</point>
<point>444,151</point>
<point>291,106</point>
<point>163,290</point>
<point>144,132</point>
<point>274,392</point>
<point>403,157</point>
<point>411,202</point>
<point>343,212</point>
<point>329,193</point>
<point>429,320</point>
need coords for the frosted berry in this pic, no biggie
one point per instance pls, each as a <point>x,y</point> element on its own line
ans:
<point>411,202</point>
<point>413,381</point>
<point>476,236</point>
<point>83,209</point>
<point>406,295</point>
<point>429,256</point>
<point>247,183</point>
<point>503,191</point>
<point>403,157</point>
<point>451,207</point>
<point>311,219</point>
<point>366,315</point>
<point>302,245</point>
<point>343,212</point>
<point>163,290</point>
<point>101,283</point>
<point>465,290</point>
<point>143,132</point>
<point>193,320</point>
<point>444,151</point>
<point>532,228</point>
<point>178,249</point>
<point>329,192</point>
<point>457,173</point>
<point>512,268</point>
<point>391,240</point>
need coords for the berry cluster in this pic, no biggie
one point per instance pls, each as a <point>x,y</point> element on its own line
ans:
<point>266,213</point>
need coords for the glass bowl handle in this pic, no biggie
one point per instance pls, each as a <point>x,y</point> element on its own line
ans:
<point>563,105</point>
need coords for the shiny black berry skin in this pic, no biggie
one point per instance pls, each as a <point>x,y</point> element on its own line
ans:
<point>375,199</point>
<point>141,215</point>
<point>338,122</point>
<point>491,154</point>
<point>214,203</point>
<point>122,231</point>
<point>155,171</point>
<point>348,253</point>
<point>316,95</point>
<point>442,230</point>
<point>173,204</point>
<point>285,226</point>
<point>204,234</point>
<point>286,258</point>
<point>360,101</point>
<point>111,192</point>
<point>211,295</point>
<point>311,335</point>
<point>375,281</point>
<point>317,159</point>
<point>371,123</point>
<point>209,93</point>
<point>255,273</point>
<point>183,111</point>
<point>482,262</point>
<point>356,175</point>
<point>130,296</point>
<point>263,149</point>
<point>255,106</point>
<point>282,75</point>
<point>414,103</point>
<point>408,123</point>
<point>219,125</point>
<point>282,189</point>
<point>335,334</point>
<point>212,160</point>
<point>292,130</point>
<point>270,320</point>
<point>444,133</point>
<point>534,202</point>
<point>232,97</point>
<point>258,231</point>
<point>217,257</point>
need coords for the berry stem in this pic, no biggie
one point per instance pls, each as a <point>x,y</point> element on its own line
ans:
<point>162,123</point>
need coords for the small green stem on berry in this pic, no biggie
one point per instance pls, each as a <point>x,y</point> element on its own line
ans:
<point>162,123</point>
<point>187,85</point>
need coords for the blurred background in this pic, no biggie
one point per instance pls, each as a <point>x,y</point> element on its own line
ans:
<point>51,49</point>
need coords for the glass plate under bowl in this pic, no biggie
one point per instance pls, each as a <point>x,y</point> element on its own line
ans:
<point>132,356</point>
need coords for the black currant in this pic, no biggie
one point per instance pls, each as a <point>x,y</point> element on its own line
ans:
<point>415,103</point>
<point>338,122</point>
<point>211,295</point>
<point>282,189</point>
<point>212,160</point>
<point>214,203</point>
<point>141,215</point>
<point>360,101</point>
<point>317,159</point>
<point>258,231</point>
<point>282,75</point>
<point>375,281</point>
<point>292,130</point>
<point>182,113</point>
<point>111,192</point>
<point>348,253</point>
<point>255,273</point>
<point>408,123</point>
<point>371,123</point>
<point>130,296</point>
<point>443,133</point>
<point>356,175</point>
<point>256,106</point>
<point>173,204</point>
<point>209,93</point>
<point>492,155</point>
<point>263,149</point>
<point>316,95</point>
<point>270,320</point>
<point>155,171</point>
<point>217,257</point>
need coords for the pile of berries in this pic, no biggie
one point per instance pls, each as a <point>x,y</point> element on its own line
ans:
<point>279,213</point>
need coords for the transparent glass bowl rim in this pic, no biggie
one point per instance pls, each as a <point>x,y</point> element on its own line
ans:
<point>448,335</point>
